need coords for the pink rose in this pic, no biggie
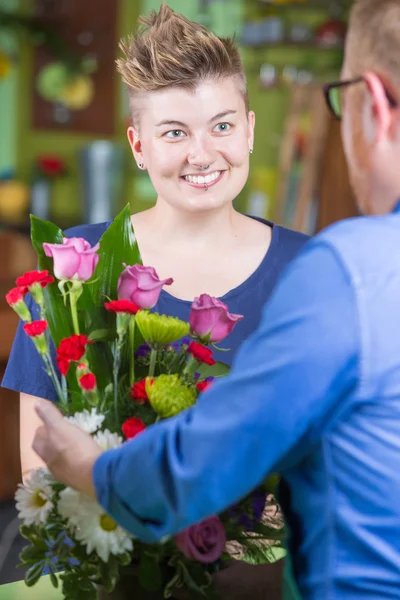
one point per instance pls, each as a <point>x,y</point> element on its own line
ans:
<point>141,285</point>
<point>203,542</point>
<point>210,320</point>
<point>73,259</point>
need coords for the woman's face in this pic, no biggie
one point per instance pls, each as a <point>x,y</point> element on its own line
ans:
<point>180,132</point>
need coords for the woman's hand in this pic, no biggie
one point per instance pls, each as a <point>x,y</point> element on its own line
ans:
<point>68,452</point>
<point>242,581</point>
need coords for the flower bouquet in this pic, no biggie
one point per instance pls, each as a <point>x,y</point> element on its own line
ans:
<point>118,367</point>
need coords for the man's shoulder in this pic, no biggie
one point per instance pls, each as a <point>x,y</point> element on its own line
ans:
<point>91,233</point>
<point>364,242</point>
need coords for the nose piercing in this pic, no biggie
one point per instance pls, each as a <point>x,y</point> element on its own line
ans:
<point>204,168</point>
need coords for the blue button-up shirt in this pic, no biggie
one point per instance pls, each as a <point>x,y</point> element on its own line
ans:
<point>314,394</point>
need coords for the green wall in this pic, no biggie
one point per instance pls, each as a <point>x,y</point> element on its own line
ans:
<point>19,143</point>
<point>8,107</point>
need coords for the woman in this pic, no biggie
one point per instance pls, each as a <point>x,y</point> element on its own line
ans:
<point>192,131</point>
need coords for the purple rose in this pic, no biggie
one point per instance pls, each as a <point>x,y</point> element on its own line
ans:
<point>210,320</point>
<point>141,285</point>
<point>203,542</point>
<point>73,259</point>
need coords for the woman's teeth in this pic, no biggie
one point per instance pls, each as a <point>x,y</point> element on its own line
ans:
<point>203,178</point>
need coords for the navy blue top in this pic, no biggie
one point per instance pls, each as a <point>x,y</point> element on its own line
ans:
<point>25,373</point>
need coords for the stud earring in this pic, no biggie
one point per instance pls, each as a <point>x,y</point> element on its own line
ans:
<point>251,150</point>
<point>140,165</point>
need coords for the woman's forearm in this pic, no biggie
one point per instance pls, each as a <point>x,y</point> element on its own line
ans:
<point>29,422</point>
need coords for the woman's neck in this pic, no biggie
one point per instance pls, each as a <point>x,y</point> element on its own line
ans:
<point>189,229</point>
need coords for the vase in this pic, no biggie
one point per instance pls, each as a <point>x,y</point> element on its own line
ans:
<point>129,588</point>
<point>101,173</point>
<point>41,198</point>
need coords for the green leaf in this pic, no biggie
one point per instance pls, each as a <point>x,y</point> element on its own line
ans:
<point>220,369</point>
<point>117,246</point>
<point>58,318</point>
<point>31,554</point>
<point>99,335</point>
<point>33,574</point>
<point>109,574</point>
<point>53,577</point>
<point>125,559</point>
<point>149,573</point>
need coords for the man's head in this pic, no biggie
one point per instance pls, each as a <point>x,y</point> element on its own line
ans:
<point>371,123</point>
<point>188,98</point>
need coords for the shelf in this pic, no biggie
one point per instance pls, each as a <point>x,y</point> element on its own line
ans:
<point>309,45</point>
<point>310,5</point>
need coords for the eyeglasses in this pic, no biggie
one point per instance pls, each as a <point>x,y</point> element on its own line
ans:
<point>333,96</point>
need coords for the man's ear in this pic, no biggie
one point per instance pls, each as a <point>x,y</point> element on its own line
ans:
<point>379,105</point>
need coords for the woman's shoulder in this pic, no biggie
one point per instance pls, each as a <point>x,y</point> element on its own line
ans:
<point>292,237</point>
<point>91,233</point>
<point>285,241</point>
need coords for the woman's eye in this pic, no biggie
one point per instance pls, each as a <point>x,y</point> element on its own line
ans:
<point>222,127</point>
<point>175,133</point>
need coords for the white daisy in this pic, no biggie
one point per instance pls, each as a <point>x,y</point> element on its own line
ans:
<point>34,497</point>
<point>92,526</point>
<point>88,421</point>
<point>107,440</point>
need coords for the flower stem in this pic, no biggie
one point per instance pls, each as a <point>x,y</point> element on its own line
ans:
<point>74,294</point>
<point>52,372</point>
<point>132,350</point>
<point>153,359</point>
<point>117,364</point>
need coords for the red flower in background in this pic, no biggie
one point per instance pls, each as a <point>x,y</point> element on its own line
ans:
<point>35,328</point>
<point>201,353</point>
<point>50,165</point>
<point>132,427</point>
<point>138,392</point>
<point>122,306</point>
<point>88,382</point>
<point>15,295</point>
<point>31,277</point>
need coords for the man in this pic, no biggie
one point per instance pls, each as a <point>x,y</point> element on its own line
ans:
<point>314,394</point>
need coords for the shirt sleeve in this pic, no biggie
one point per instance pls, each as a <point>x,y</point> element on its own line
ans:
<point>289,383</point>
<point>25,368</point>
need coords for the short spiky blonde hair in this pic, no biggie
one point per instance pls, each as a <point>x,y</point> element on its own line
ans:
<point>374,38</point>
<point>169,51</point>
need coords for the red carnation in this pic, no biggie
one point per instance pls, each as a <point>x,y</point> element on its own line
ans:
<point>35,328</point>
<point>73,347</point>
<point>63,365</point>
<point>132,427</point>
<point>138,392</point>
<point>202,386</point>
<point>201,353</point>
<point>15,295</point>
<point>31,277</point>
<point>122,306</point>
<point>88,382</point>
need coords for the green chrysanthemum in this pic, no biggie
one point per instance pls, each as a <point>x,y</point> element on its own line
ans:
<point>160,329</point>
<point>168,396</point>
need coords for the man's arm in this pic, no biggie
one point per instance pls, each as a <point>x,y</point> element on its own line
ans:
<point>289,382</point>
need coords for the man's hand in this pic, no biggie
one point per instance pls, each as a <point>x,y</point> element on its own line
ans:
<point>68,452</point>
